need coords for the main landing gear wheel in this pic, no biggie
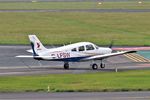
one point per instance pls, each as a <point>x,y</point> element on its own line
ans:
<point>102,65</point>
<point>66,65</point>
<point>94,66</point>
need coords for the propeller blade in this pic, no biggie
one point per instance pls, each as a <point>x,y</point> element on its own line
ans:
<point>111,44</point>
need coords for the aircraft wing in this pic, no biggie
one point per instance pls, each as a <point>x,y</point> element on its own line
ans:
<point>100,57</point>
<point>96,57</point>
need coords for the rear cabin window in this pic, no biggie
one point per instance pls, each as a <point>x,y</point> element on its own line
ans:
<point>81,48</point>
<point>89,47</point>
<point>74,49</point>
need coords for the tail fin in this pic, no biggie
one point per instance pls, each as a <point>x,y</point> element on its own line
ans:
<point>36,45</point>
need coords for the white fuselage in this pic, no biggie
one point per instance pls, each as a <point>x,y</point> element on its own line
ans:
<point>74,52</point>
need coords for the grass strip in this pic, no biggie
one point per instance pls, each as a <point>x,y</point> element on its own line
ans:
<point>90,82</point>
<point>63,28</point>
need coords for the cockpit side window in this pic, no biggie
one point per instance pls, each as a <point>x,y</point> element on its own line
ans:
<point>74,49</point>
<point>89,47</point>
<point>81,48</point>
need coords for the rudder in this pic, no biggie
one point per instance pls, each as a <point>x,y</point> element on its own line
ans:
<point>36,45</point>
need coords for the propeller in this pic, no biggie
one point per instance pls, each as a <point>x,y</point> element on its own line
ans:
<point>111,44</point>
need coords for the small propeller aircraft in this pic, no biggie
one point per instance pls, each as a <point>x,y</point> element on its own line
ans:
<point>77,52</point>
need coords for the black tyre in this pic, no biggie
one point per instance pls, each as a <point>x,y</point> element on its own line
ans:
<point>66,66</point>
<point>94,66</point>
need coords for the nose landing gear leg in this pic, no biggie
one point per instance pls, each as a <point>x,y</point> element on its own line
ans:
<point>102,65</point>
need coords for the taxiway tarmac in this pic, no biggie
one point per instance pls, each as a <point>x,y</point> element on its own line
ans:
<point>10,65</point>
<point>77,96</point>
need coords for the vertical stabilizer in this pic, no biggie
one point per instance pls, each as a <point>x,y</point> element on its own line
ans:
<point>36,45</point>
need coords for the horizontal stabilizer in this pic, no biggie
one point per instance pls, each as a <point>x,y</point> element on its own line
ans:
<point>25,56</point>
<point>31,51</point>
<point>35,57</point>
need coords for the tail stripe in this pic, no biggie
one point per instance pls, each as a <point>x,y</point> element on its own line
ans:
<point>34,53</point>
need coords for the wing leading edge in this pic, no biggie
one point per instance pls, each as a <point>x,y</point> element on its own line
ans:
<point>100,57</point>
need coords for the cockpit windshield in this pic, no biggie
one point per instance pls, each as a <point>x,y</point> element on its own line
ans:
<point>96,46</point>
<point>89,47</point>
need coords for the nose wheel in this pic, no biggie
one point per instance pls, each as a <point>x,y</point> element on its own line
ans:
<point>66,65</point>
<point>102,65</point>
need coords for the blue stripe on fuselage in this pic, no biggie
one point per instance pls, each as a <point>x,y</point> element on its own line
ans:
<point>73,59</point>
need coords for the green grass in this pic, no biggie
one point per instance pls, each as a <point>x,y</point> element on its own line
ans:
<point>103,81</point>
<point>75,5</point>
<point>62,28</point>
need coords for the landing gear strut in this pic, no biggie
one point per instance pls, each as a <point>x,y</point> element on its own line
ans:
<point>102,65</point>
<point>66,65</point>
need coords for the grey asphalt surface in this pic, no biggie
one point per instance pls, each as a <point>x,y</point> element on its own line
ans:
<point>77,96</point>
<point>9,65</point>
